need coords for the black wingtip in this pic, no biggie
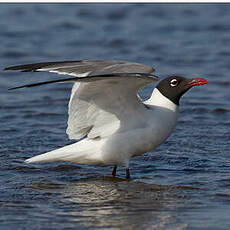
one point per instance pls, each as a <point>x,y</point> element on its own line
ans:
<point>13,88</point>
<point>25,68</point>
<point>11,68</point>
<point>18,68</point>
<point>43,83</point>
<point>23,86</point>
<point>35,66</point>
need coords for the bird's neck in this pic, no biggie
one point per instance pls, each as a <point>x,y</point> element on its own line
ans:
<point>158,99</point>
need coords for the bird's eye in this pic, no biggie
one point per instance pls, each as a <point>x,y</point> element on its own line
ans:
<point>174,82</point>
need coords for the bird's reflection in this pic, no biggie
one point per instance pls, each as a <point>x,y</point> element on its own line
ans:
<point>109,203</point>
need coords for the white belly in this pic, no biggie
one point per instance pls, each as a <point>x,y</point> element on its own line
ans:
<point>120,147</point>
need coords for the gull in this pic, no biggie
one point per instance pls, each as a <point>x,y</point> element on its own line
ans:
<point>107,117</point>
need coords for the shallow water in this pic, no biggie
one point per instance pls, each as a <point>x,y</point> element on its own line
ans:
<point>184,184</point>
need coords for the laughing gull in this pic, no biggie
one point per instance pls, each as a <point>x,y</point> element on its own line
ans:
<point>108,115</point>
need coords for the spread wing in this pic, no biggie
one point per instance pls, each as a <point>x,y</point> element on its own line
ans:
<point>104,93</point>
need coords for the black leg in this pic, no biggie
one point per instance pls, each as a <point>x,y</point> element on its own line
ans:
<point>127,173</point>
<point>114,171</point>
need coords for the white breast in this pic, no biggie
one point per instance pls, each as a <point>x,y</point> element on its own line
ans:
<point>154,128</point>
<point>163,117</point>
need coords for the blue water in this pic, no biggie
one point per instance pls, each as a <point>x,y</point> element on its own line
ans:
<point>184,184</point>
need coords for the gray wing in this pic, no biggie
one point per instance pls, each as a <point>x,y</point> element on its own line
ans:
<point>85,67</point>
<point>104,94</point>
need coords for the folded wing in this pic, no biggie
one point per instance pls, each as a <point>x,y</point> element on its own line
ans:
<point>103,96</point>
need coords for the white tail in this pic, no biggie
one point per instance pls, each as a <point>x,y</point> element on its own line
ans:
<point>83,152</point>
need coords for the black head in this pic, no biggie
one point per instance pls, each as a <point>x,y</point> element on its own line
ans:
<point>174,87</point>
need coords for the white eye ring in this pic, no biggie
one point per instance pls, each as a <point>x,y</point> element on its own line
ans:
<point>174,82</point>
